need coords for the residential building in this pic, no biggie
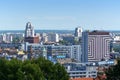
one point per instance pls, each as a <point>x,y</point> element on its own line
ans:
<point>85,46</point>
<point>2,38</point>
<point>78,32</point>
<point>9,38</point>
<point>53,37</point>
<point>96,45</point>
<point>58,52</point>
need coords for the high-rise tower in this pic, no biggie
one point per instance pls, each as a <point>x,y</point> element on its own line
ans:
<point>29,31</point>
<point>78,32</point>
<point>29,34</point>
<point>95,46</point>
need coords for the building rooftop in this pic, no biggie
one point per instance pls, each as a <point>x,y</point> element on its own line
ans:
<point>96,32</point>
<point>82,79</point>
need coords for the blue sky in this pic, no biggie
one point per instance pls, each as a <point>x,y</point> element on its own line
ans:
<point>60,14</point>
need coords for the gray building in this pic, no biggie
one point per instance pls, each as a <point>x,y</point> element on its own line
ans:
<point>61,51</point>
<point>85,46</point>
<point>80,70</point>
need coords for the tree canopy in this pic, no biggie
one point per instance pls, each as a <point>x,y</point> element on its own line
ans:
<point>113,72</point>
<point>36,69</point>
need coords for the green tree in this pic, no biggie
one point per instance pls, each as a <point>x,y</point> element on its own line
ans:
<point>35,69</point>
<point>3,71</point>
<point>32,72</point>
<point>52,71</point>
<point>12,68</point>
<point>113,72</point>
<point>16,40</point>
<point>63,42</point>
<point>18,70</point>
<point>60,73</point>
<point>117,49</point>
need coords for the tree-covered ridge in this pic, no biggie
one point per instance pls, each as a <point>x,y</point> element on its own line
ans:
<point>36,69</point>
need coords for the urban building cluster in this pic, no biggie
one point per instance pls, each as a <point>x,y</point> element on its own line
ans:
<point>83,54</point>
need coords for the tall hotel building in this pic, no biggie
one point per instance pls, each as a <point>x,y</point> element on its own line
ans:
<point>95,46</point>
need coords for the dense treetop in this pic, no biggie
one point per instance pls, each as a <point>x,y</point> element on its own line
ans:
<point>113,72</point>
<point>36,69</point>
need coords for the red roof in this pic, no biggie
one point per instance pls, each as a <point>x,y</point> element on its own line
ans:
<point>82,79</point>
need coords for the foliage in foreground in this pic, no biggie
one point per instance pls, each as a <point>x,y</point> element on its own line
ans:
<point>113,72</point>
<point>38,69</point>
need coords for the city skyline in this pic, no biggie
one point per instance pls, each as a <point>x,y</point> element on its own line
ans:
<point>60,14</point>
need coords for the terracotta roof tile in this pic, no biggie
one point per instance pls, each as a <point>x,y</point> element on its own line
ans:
<point>82,79</point>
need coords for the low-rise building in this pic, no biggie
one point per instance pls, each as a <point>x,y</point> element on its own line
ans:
<point>80,70</point>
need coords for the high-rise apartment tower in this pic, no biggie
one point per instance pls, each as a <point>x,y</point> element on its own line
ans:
<point>95,46</point>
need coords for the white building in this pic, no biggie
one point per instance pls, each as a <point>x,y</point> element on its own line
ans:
<point>6,37</point>
<point>9,38</point>
<point>53,37</point>
<point>29,31</point>
<point>116,38</point>
<point>78,32</point>
<point>2,37</point>
<point>44,37</point>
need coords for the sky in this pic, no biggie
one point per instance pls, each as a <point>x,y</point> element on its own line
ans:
<point>60,14</point>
